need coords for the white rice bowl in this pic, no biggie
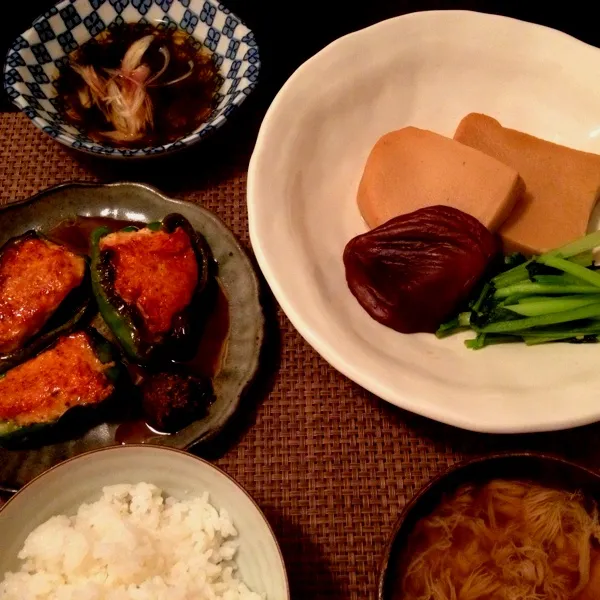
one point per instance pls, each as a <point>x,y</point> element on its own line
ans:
<point>132,544</point>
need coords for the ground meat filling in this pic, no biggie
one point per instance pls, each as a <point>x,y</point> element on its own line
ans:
<point>45,387</point>
<point>155,271</point>
<point>35,277</point>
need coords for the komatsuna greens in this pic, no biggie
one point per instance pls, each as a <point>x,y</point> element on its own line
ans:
<point>554,297</point>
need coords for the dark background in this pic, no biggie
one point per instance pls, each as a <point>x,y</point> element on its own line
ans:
<point>289,31</point>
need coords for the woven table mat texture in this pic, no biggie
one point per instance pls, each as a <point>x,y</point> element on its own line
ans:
<point>330,464</point>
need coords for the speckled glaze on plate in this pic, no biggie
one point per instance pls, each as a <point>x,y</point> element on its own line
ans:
<point>137,202</point>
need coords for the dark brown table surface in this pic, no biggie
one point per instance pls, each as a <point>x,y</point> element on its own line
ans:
<point>330,464</point>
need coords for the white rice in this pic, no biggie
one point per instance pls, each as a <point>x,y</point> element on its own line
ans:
<point>132,544</point>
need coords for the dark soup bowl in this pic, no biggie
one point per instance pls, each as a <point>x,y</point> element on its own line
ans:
<point>548,471</point>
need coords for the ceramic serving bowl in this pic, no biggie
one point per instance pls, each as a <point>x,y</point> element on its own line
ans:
<point>429,70</point>
<point>35,56</point>
<point>63,488</point>
<point>545,470</point>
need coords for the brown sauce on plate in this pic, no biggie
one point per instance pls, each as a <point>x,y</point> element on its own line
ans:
<point>137,432</point>
<point>213,344</point>
<point>212,347</point>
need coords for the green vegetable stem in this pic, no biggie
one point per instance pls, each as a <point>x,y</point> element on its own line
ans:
<point>554,297</point>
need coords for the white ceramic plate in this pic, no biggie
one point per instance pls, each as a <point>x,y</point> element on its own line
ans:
<point>62,489</point>
<point>429,70</point>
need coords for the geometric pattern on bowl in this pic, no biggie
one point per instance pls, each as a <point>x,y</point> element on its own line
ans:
<point>35,56</point>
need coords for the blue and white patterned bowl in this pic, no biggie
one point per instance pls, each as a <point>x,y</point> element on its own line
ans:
<point>35,56</point>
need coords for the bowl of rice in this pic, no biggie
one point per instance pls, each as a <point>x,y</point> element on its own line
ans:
<point>137,522</point>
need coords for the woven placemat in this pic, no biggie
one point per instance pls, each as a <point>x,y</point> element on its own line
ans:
<point>330,464</point>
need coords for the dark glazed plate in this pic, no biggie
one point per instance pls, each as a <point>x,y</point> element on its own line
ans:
<point>136,202</point>
<point>546,470</point>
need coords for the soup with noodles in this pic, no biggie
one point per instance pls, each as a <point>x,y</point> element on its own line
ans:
<point>504,540</point>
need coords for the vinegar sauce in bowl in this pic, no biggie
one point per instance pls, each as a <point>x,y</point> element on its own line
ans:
<point>136,85</point>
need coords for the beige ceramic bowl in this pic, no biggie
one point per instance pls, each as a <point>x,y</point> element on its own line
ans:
<point>302,210</point>
<point>63,488</point>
